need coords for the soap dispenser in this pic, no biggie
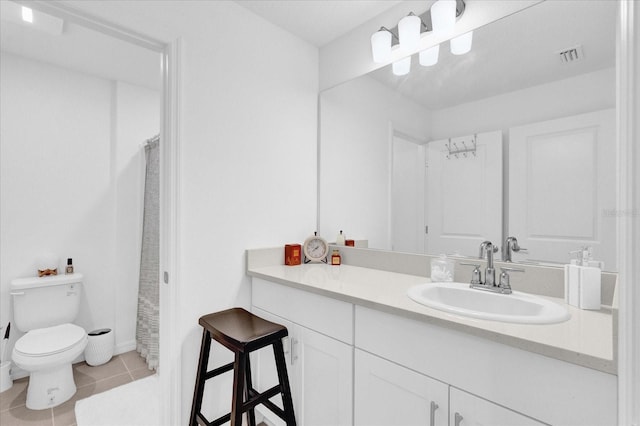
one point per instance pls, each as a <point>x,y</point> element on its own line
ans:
<point>340,239</point>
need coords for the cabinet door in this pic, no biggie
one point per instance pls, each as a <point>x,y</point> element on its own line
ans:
<point>388,394</point>
<point>323,367</point>
<point>469,410</point>
<point>265,375</point>
<point>320,374</point>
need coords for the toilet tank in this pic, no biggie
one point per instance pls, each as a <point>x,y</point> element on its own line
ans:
<point>46,301</point>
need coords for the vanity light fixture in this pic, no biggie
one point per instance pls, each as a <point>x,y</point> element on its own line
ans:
<point>381,42</point>
<point>402,66</point>
<point>409,32</point>
<point>440,20</point>
<point>429,56</point>
<point>27,14</point>
<point>461,44</point>
<point>443,17</point>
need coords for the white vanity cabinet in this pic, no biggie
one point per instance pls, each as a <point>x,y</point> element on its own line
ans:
<point>538,387</point>
<point>352,364</point>
<point>388,394</point>
<point>320,367</point>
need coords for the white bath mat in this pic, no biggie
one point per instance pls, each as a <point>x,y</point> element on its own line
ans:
<point>133,404</point>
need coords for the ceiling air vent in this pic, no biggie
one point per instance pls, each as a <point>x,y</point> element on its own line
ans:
<point>571,54</point>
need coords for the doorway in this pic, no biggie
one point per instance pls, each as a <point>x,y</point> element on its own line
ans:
<point>110,199</point>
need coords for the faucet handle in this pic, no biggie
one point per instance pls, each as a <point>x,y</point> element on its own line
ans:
<point>476,277</point>
<point>505,284</point>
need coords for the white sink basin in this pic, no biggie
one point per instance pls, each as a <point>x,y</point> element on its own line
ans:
<point>459,298</point>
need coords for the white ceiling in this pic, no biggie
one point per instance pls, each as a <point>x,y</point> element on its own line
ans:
<point>80,49</point>
<point>318,21</point>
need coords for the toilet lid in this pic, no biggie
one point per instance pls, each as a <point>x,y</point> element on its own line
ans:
<point>50,340</point>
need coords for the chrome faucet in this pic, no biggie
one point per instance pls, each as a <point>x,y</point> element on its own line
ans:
<point>487,249</point>
<point>510,246</point>
<point>503,286</point>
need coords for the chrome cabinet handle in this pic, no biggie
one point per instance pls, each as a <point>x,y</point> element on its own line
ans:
<point>458,419</point>
<point>432,414</point>
<point>294,354</point>
<point>17,293</point>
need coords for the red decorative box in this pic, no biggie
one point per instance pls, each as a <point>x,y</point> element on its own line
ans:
<point>292,254</point>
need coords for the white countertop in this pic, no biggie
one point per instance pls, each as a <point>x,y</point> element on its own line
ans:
<point>587,339</point>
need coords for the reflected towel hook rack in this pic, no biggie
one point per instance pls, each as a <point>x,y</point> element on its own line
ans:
<point>453,149</point>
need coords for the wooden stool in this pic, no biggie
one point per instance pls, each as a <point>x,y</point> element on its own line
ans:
<point>242,332</point>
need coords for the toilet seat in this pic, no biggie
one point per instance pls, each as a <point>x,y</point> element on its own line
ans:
<point>48,341</point>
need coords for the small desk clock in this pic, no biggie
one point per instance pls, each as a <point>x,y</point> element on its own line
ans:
<point>315,249</point>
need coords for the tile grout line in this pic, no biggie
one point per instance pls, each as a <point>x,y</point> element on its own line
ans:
<point>128,370</point>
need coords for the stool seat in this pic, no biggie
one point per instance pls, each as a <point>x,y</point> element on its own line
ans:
<point>242,332</point>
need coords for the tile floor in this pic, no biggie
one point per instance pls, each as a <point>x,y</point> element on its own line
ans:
<point>122,369</point>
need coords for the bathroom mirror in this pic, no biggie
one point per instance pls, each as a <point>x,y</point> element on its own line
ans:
<point>382,136</point>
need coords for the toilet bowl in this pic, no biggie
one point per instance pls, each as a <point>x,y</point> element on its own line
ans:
<point>43,309</point>
<point>47,353</point>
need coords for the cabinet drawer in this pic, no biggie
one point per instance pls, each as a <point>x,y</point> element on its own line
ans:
<point>325,315</point>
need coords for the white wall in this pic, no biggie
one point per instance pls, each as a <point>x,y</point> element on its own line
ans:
<point>355,156</point>
<point>248,139</point>
<point>71,184</point>
<point>137,118</point>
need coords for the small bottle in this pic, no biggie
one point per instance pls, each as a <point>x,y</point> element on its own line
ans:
<point>335,258</point>
<point>69,269</point>
<point>340,239</point>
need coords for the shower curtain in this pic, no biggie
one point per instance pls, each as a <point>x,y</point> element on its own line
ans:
<point>147,328</point>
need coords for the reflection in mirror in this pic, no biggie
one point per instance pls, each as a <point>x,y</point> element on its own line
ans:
<point>515,138</point>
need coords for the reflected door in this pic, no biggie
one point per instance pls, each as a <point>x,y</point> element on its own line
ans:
<point>562,192</point>
<point>407,196</point>
<point>464,194</point>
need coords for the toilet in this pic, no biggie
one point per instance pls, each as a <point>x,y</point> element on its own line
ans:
<point>44,309</point>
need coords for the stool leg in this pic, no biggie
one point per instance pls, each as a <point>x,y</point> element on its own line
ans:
<point>238,389</point>
<point>281,366</point>
<point>200,378</point>
<point>249,385</point>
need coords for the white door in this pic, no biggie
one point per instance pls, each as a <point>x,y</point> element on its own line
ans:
<point>562,189</point>
<point>407,196</point>
<point>464,194</point>
<point>388,394</point>
<point>469,410</point>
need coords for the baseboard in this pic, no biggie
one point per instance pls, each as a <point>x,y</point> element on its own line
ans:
<point>123,347</point>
